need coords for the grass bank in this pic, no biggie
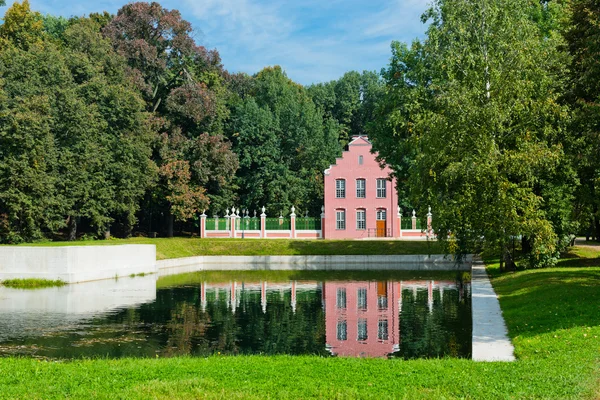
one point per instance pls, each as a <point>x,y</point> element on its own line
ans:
<point>188,247</point>
<point>31,283</point>
<point>553,318</point>
<point>581,256</point>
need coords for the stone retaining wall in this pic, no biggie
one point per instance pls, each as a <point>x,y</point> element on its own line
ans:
<point>76,263</point>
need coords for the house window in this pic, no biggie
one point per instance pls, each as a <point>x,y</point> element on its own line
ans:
<point>341,298</point>
<point>361,188</point>
<point>362,298</point>
<point>382,329</point>
<point>360,160</point>
<point>362,330</point>
<point>340,219</point>
<point>340,188</point>
<point>382,302</point>
<point>342,330</point>
<point>361,219</point>
<point>381,215</point>
<point>382,298</point>
<point>381,188</point>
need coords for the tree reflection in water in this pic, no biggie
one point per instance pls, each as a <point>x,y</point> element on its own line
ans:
<point>394,318</point>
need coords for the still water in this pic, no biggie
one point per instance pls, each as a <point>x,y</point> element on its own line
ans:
<point>374,314</point>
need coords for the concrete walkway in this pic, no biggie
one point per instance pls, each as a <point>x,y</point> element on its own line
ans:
<point>490,337</point>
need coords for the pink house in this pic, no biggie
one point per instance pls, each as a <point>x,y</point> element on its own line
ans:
<point>362,319</point>
<point>360,196</point>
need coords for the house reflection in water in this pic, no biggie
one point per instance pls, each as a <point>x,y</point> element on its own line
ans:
<point>363,318</point>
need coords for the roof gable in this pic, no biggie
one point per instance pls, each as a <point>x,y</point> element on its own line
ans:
<point>360,141</point>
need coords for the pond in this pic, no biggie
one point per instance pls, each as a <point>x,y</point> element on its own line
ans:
<point>350,314</point>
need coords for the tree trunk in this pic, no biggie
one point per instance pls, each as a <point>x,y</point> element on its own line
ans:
<point>170,224</point>
<point>72,228</point>
<point>525,245</point>
<point>502,258</point>
<point>509,262</point>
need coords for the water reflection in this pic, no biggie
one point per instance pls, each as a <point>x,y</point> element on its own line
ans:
<point>368,318</point>
<point>406,319</point>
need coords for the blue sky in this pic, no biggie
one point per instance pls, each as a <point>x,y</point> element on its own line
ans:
<point>313,40</point>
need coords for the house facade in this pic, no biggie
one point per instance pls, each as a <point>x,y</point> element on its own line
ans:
<point>362,319</point>
<point>360,196</point>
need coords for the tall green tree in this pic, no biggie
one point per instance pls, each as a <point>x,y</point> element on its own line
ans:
<point>350,101</point>
<point>183,85</point>
<point>72,117</point>
<point>476,109</point>
<point>282,144</point>
<point>583,41</point>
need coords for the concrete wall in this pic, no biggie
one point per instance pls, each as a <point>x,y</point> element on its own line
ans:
<point>76,263</point>
<point>234,263</point>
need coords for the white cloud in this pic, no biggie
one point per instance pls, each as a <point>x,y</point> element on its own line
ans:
<point>313,40</point>
<point>397,18</point>
<point>245,21</point>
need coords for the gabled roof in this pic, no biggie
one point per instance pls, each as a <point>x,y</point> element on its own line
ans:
<point>356,141</point>
<point>359,141</point>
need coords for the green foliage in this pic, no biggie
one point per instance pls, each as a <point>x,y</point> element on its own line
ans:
<point>476,110</point>
<point>55,26</point>
<point>21,26</point>
<point>582,35</point>
<point>31,283</point>
<point>350,101</point>
<point>75,140</point>
<point>282,145</point>
<point>182,84</point>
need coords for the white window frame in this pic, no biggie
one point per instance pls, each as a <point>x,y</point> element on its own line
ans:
<point>383,329</point>
<point>361,188</point>
<point>342,330</point>
<point>381,188</point>
<point>361,219</point>
<point>361,298</point>
<point>340,223</point>
<point>381,212</point>
<point>382,302</point>
<point>360,160</point>
<point>340,298</point>
<point>362,331</point>
<point>340,188</point>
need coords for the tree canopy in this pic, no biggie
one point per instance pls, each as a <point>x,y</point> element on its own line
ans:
<point>124,124</point>
<point>476,114</point>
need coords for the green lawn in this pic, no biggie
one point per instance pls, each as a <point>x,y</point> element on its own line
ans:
<point>187,247</point>
<point>581,256</point>
<point>553,318</point>
<point>31,283</point>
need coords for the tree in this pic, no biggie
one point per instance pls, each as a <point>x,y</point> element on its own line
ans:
<point>73,115</point>
<point>351,101</point>
<point>282,144</point>
<point>183,86</point>
<point>22,26</point>
<point>583,43</point>
<point>476,106</point>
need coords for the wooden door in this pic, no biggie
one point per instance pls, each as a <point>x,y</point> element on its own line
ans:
<point>381,227</point>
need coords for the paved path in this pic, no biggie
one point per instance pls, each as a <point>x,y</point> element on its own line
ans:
<point>490,337</point>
